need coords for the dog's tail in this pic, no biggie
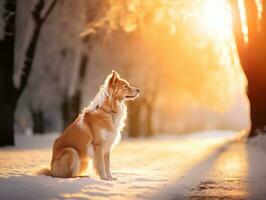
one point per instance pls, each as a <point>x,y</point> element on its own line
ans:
<point>44,171</point>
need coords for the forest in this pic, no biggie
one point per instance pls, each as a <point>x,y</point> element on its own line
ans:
<point>64,49</point>
<point>195,128</point>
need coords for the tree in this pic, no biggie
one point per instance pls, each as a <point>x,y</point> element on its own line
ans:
<point>252,57</point>
<point>38,122</point>
<point>72,101</point>
<point>149,104</point>
<point>71,105</point>
<point>134,109</point>
<point>10,95</point>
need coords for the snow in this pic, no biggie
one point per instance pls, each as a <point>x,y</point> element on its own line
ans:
<point>259,141</point>
<point>163,167</point>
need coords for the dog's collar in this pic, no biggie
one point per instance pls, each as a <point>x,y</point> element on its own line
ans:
<point>112,112</point>
<point>105,110</point>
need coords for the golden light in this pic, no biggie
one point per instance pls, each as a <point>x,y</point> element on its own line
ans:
<point>260,8</point>
<point>198,29</point>
<point>233,164</point>
<point>215,18</point>
<point>243,18</point>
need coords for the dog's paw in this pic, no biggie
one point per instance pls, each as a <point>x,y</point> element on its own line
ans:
<point>112,178</point>
<point>104,178</point>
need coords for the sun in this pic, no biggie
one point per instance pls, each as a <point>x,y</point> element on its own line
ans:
<point>215,18</point>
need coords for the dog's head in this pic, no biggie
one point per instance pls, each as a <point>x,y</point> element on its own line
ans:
<point>120,89</point>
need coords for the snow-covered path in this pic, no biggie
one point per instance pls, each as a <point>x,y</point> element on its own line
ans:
<point>238,173</point>
<point>196,166</point>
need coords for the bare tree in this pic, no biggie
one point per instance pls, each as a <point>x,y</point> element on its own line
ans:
<point>252,57</point>
<point>10,95</point>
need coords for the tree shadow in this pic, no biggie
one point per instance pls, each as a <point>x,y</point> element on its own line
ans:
<point>234,171</point>
<point>181,188</point>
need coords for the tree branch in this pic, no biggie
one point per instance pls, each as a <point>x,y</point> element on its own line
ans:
<point>30,52</point>
<point>36,13</point>
<point>49,10</point>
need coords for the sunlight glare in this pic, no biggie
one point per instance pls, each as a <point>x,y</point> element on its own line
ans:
<point>233,164</point>
<point>243,18</point>
<point>215,18</point>
<point>260,8</point>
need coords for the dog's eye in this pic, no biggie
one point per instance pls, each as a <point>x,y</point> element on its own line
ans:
<point>125,86</point>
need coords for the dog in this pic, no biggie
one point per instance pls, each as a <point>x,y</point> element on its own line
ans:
<point>95,132</point>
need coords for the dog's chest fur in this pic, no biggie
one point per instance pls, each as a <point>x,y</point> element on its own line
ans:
<point>111,138</point>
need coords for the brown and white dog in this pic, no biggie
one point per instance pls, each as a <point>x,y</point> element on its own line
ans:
<point>95,132</point>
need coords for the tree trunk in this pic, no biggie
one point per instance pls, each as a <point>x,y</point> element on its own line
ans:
<point>7,122</point>
<point>38,122</point>
<point>134,118</point>
<point>149,102</point>
<point>149,131</point>
<point>38,19</point>
<point>252,58</point>
<point>71,105</point>
<point>8,97</point>
<point>70,108</point>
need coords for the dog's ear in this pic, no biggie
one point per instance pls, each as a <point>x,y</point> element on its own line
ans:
<point>115,74</point>
<point>113,79</point>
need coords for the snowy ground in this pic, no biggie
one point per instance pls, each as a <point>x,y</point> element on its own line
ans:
<point>205,165</point>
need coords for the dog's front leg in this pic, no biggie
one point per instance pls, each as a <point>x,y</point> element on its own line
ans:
<point>107,165</point>
<point>99,161</point>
